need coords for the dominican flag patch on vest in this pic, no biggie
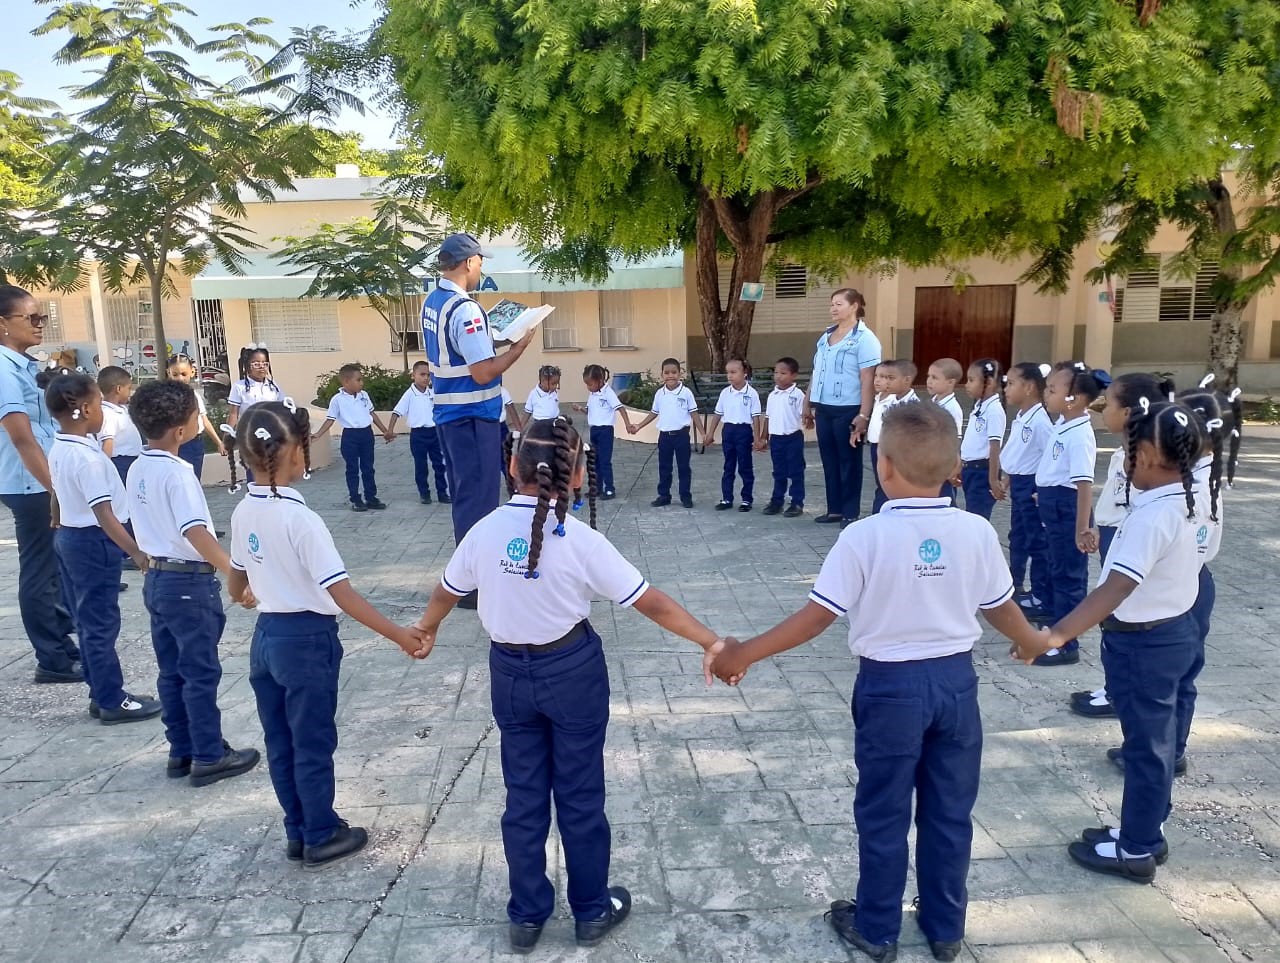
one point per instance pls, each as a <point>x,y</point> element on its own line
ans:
<point>473,325</point>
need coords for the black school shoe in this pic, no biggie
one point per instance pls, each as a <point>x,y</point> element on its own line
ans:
<point>1058,657</point>
<point>45,676</point>
<point>359,507</point>
<point>593,932</point>
<point>828,519</point>
<point>795,511</point>
<point>1091,706</point>
<point>179,766</point>
<point>343,844</point>
<point>375,504</point>
<point>773,508</point>
<point>841,918</point>
<point>1116,755</point>
<point>424,499</point>
<point>131,710</point>
<point>294,849</point>
<point>1102,834</point>
<point>945,951</point>
<point>744,507</point>
<point>687,502</point>
<point>608,496</point>
<point>95,712</point>
<point>723,506</point>
<point>660,502</point>
<point>234,762</point>
<point>523,937</point>
<point>1141,869</point>
<point>444,499</point>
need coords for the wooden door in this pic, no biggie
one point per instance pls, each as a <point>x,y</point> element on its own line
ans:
<point>966,325</point>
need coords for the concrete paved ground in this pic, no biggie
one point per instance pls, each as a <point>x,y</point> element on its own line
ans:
<point>731,808</point>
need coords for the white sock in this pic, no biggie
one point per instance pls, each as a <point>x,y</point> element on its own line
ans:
<point>1099,694</point>
<point>1053,652</point>
<point>1108,850</point>
<point>1099,698</point>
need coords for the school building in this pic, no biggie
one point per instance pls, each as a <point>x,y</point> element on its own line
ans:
<point>1150,320</point>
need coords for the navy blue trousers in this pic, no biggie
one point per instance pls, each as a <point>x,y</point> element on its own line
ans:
<point>1146,672</point>
<point>123,463</point>
<point>1068,566</point>
<point>736,440</point>
<point>916,730</point>
<point>787,454</point>
<point>472,469</point>
<point>293,668</point>
<point>43,600</point>
<point>948,491</point>
<point>357,451</point>
<point>1027,546</point>
<point>553,711</point>
<point>1201,612</point>
<point>602,444</point>
<point>90,566</point>
<point>424,445</point>
<point>976,480</point>
<point>674,445</point>
<point>841,461</point>
<point>192,452</point>
<point>186,625</point>
<point>1106,535</point>
<point>877,500</point>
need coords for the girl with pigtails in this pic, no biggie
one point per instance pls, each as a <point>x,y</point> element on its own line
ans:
<point>536,569</point>
<point>282,551</point>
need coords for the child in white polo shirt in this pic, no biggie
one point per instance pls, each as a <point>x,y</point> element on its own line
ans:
<point>417,407</point>
<point>909,579</point>
<point>92,512</point>
<point>172,524</point>
<point>537,569</point>
<point>544,399</point>
<point>739,408</point>
<point>119,437</point>
<point>983,436</point>
<point>352,408</point>
<point>783,434</point>
<point>673,407</point>
<point>281,550</point>
<point>898,378</point>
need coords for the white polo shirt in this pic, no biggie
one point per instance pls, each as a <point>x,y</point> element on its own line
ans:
<point>165,502</point>
<point>286,551</point>
<point>351,411</point>
<point>572,571</point>
<point>1208,532</point>
<point>911,579</point>
<point>506,400</point>
<point>247,392</point>
<point>83,477</point>
<point>1156,547</point>
<point>882,404</point>
<point>543,404</point>
<point>1070,456</point>
<point>987,422</point>
<point>417,408</point>
<point>674,408</point>
<point>119,429</point>
<point>602,407</point>
<point>738,406</point>
<point>785,410</point>
<point>1111,509</point>
<point>1028,439</point>
<point>953,409</point>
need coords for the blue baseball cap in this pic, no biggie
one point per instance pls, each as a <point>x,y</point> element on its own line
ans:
<point>458,247</point>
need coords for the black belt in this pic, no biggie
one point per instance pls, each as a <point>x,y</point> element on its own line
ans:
<point>789,434</point>
<point>1113,624</point>
<point>575,634</point>
<point>181,565</point>
<point>977,463</point>
<point>676,431</point>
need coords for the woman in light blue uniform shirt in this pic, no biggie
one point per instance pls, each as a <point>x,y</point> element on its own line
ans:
<point>24,488</point>
<point>839,402</point>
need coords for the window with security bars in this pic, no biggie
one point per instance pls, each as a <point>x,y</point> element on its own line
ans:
<point>615,319</point>
<point>53,331</point>
<point>406,324</point>
<point>1152,293</point>
<point>559,328</point>
<point>788,305</point>
<point>295,324</point>
<point>792,282</point>
<point>128,318</point>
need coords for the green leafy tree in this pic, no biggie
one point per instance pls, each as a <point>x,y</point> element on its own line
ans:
<point>148,180</point>
<point>847,133</point>
<point>26,125</point>
<point>377,259</point>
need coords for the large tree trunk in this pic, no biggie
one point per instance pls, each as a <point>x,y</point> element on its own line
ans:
<point>1224,332</point>
<point>157,323</point>
<point>1224,344</point>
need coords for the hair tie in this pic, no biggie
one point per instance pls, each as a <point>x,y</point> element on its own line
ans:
<point>577,504</point>
<point>534,574</point>
<point>1045,370</point>
<point>227,429</point>
<point>1181,418</point>
<point>1235,393</point>
<point>1207,380</point>
<point>988,368</point>
<point>1213,424</point>
<point>1145,404</point>
<point>288,403</point>
<point>263,434</point>
<point>75,414</point>
<point>1070,398</point>
<point>541,465</point>
<point>234,489</point>
<point>306,475</point>
<point>1004,379</point>
<point>1235,432</point>
<point>1079,366</point>
<point>559,530</point>
<point>586,446</point>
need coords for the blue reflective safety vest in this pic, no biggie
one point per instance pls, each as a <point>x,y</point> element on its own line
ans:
<point>457,394</point>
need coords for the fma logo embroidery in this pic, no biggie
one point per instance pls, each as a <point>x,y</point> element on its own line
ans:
<point>254,544</point>
<point>1202,534</point>
<point>517,549</point>
<point>930,550</point>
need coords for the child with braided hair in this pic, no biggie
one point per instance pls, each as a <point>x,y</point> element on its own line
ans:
<point>536,569</point>
<point>282,550</point>
<point>1148,633</point>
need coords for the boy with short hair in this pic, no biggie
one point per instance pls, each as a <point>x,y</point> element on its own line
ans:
<point>352,408</point>
<point>118,437</point>
<point>909,579</point>
<point>944,374</point>
<point>783,434</point>
<point>417,407</point>
<point>897,379</point>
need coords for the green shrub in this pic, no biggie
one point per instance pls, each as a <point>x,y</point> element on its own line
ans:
<point>384,386</point>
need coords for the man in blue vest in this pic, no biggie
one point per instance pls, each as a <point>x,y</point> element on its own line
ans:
<point>467,382</point>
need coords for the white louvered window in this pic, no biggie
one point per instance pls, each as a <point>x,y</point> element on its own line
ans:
<point>559,329</point>
<point>406,332</point>
<point>1153,293</point>
<point>616,318</point>
<point>295,324</point>
<point>790,303</point>
<point>128,317</point>
<point>53,331</point>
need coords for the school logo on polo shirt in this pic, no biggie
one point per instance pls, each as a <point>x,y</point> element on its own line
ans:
<point>517,552</point>
<point>930,564</point>
<point>255,547</point>
<point>1058,449</point>
<point>1202,534</point>
<point>142,490</point>
<point>1026,434</point>
<point>930,550</point>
